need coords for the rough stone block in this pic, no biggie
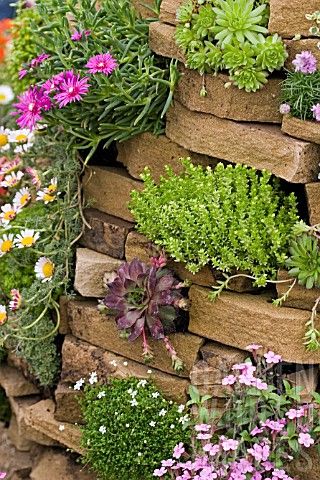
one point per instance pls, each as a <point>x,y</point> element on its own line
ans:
<point>19,408</point>
<point>294,160</point>
<point>168,11</point>
<point>162,41</point>
<point>55,465</point>
<point>14,383</point>
<point>307,379</point>
<point>40,417</point>
<point>63,304</point>
<point>306,130</point>
<point>239,320</point>
<point>102,185</point>
<point>88,324</point>
<point>91,267</point>
<point>300,297</point>
<point>156,152</point>
<point>221,356</point>
<point>313,198</point>
<point>232,103</point>
<point>107,234</point>
<point>19,441</point>
<point>16,464</point>
<point>79,359</point>
<point>67,404</point>
<point>144,7</point>
<point>288,17</point>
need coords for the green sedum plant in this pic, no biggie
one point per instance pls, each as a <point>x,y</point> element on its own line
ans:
<point>229,218</point>
<point>230,34</point>
<point>129,428</point>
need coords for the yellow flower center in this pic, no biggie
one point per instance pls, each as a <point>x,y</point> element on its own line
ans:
<point>3,97</point>
<point>21,138</point>
<point>47,269</point>
<point>3,139</point>
<point>24,199</point>
<point>48,198</point>
<point>10,215</point>
<point>3,317</point>
<point>52,188</point>
<point>27,241</point>
<point>6,246</point>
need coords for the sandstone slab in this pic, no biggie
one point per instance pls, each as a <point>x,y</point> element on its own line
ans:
<point>147,150</point>
<point>91,268</point>
<point>288,18</point>
<point>313,199</point>
<point>162,41</point>
<point>239,320</point>
<point>20,408</point>
<point>63,327</point>
<point>300,297</point>
<point>304,129</point>
<point>15,463</point>
<point>67,404</point>
<point>297,46</point>
<point>55,465</point>
<point>231,102</point>
<point>101,330</point>
<point>293,160</point>
<point>102,187</point>
<point>40,417</point>
<point>14,383</point>
<point>168,11</point>
<point>19,441</point>
<point>107,234</point>
<point>79,359</point>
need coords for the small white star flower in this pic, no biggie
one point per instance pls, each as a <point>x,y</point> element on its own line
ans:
<point>142,383</point>
<point>127,425</point>
<point>93,378</point>
<point>152,423</point>
<point>79,384</point>
<point>155,395</point>
<point>149,371</point>
<point>184,419</point>
<point>102,429</point>
<point>181,408</point>
<point>172,426</point>
<point>133,403</point>
<point>114,363</point>
<point>162,412</point>
<point>139,454</point>
<point>101,394</point>
<point>125,364</point>
<point>61,428</point>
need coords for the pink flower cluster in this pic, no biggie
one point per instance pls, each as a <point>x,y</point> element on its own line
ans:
<point>305,62</point>
<point>35,62</point>
<point>60,90</point>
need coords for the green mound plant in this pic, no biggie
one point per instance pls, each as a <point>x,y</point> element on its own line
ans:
<point>216,35</point>
<point>230,218</point>
<point>129,428</point>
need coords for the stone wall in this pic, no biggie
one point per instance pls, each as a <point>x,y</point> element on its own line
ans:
<point>227,125</point>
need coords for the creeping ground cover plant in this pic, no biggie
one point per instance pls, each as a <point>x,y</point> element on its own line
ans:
<point>129,428</point>
<point>260,432</point>
<point>94,73</point>
<point>230,35</point>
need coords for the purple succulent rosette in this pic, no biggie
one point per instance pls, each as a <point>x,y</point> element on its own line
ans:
<point>146,300</point>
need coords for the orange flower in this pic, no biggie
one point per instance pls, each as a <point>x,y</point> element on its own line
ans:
<point>5,36</point>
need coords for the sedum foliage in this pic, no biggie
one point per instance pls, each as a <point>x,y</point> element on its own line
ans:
<point>301,92</point>
<point>230,217</point>
<point>230,34</point>
<point>136,437</point>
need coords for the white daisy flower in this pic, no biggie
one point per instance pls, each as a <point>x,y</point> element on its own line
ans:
<point>102,429</point>
<point>8,213</point>
<point>22,198</point>
<point>61,428</point>
<point>21,136</point>
<point>101,394</point>
<point>53,186</point>
<point>27,238</point>
<point>78,384</point>
<point>93,378</point>
<point>8,167</point>
<point>3,314</point>
<point>6,94</point>
<point>44,269</point>
<point>43,196</point>
<point>4,139</point>
<point>6,244</point>
<point>12,180</point>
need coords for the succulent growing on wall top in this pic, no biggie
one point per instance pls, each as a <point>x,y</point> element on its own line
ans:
<point>146,300</point>
<point>230,34</point>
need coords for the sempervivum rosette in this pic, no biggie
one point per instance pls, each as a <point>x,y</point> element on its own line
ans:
<point>146,300</point>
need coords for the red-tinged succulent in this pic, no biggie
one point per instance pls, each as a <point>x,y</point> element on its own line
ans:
<point>146,300</point>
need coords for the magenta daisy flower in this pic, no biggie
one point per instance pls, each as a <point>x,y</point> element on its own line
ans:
<point>22,73</point>
<point>30,107</point>
<point>71,89</point>
<point>77,36</point>
<point>102,63</point>
<point>35,62</point>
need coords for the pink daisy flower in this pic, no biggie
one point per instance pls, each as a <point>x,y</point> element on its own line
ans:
<point>102,63</point>
<point>71,89</point>
<point>35,62</point>
<point>30,107</point>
